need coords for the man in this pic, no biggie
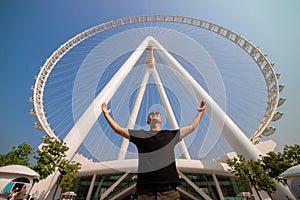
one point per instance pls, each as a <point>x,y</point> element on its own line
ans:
<point>157,174</point>
<point>22,194</point>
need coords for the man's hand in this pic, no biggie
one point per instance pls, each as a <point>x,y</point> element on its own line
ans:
<point>104,109</point>
<point>202,107</point>
<point>184,131</point>
<point>113,124</point>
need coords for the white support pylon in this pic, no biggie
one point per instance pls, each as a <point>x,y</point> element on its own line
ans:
<point>85,123</point>
<point>232,133</point>
<point>182,147</point>
<point>150,64</point>
<point>134,113</point>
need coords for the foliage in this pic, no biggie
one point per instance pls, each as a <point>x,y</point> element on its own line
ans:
<point>252,173</point>
<point>292,154</point>
<point>50,157</point>
<point>239,168</point>
<point>261,173</point>
<point>276,163</point>
<point>20,155</point>
<point>51,154</point>
<point>68,169</point>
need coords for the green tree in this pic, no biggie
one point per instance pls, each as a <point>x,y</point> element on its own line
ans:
<point>20,155</point>
<point>292,154</point>
<point>264,171</point>
<point>276,163</point>
<point>252,173</point>
<point>52,157</point>
<point>52,152</point>
<point>69,169</point>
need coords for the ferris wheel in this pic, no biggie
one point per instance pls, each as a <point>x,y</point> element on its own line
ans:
<point>194,60</point>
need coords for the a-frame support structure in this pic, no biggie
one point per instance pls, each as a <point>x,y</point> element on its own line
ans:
<point>231,132</point>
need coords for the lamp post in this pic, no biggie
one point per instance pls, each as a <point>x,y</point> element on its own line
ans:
<point>58,182</point>
<point>253,183</point>
<point>34,181</point>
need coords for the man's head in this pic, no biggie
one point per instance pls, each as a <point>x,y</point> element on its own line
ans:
<point>154,117</point>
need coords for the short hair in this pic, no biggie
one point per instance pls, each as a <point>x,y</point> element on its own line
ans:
<point>148,118</point>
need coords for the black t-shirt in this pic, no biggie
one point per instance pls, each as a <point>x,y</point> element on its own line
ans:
<point>156,157</point>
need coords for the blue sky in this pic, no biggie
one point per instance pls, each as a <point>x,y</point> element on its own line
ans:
<point>31,30</point>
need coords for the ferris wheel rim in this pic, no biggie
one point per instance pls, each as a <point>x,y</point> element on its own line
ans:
<point>260,59</point>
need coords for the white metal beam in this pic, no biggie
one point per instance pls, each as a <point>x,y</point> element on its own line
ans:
<point>203,194</point>
<point>186,194</point>
<point>82,127</point>
<point>113,186</point>
<point>120,194</point>
<point>84,124</point>
<point>134,113</point>
<point>182,147</point>
<point>232,133</point>
<point>221,196</point>
<point>89,194</point>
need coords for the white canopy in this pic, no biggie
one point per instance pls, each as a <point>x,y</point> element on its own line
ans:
<point>293,171</point>
<point>19,169</point>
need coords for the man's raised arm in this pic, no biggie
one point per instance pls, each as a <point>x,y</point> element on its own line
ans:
<point>184,131</point>
<point>113,124</point>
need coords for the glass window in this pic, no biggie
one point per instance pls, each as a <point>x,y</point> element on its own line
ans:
<point>81,187</point>
<point>231,187</point>
<point>205,182</point>
<point>22,180</point>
